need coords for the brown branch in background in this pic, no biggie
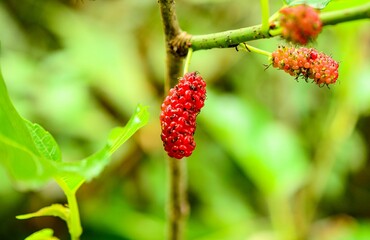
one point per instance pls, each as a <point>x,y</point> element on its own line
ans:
<point>177,43</point>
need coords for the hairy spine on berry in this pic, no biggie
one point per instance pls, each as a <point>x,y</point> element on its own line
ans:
<point>178,115</point>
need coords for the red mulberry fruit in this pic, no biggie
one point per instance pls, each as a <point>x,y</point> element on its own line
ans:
<point>300,24</point>
<point>179,111</point>
<point>306,63</point>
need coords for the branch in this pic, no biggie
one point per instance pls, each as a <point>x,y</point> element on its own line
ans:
<point>228,39</point>
<point>177,43</point>
<point>346,15</point>
<point>232,38</point>
<point>169,19</point>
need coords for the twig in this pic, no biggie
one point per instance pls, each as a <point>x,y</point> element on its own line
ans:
<point>231,38</point>
<point>176,48</point>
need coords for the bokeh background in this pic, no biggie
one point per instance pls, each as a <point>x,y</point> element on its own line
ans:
<point>274,157</point>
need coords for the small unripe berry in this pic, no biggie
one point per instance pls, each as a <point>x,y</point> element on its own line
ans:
<point>306,63</point>
<point>300,24</point>
<point>178,116</point>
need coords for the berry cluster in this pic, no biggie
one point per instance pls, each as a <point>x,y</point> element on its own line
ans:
<point>179,111</point>
<point>306,62</point>
<point>300,24</point>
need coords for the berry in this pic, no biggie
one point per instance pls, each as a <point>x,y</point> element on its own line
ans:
<point>300,24</point>
<point>306,62</point>
<point>179,111</point>
<point>313,55</point>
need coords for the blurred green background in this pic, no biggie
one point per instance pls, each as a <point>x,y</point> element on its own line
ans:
<point>274,158</point>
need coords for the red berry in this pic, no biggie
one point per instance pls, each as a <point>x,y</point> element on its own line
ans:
<point>300,24</point>
<point>313,55</point>
<point>306,63</point>
<point>179,111</point>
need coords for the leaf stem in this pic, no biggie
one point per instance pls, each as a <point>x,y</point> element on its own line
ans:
<point>74,225</point>
<point>73,221</point>
<point>282,217</point>
<point>265,12</point>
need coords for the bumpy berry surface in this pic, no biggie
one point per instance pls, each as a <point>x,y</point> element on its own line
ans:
<point>179,111</point>
<point>300,24</point>
<point>306,63</point>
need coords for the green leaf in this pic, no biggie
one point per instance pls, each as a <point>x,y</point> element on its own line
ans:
<point>31,156</point>
<point>19,155</point>
<point>55,210</point>
<point>120,135</point>
<point>44,141</point>
<point>94,165</point>
<point>73,174</point>
<point>44,234</point>
<point>319,4</point>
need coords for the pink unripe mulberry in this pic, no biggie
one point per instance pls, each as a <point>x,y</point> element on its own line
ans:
<point>178,116</point>
<point>300,24</point>
<point>306,63</point>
